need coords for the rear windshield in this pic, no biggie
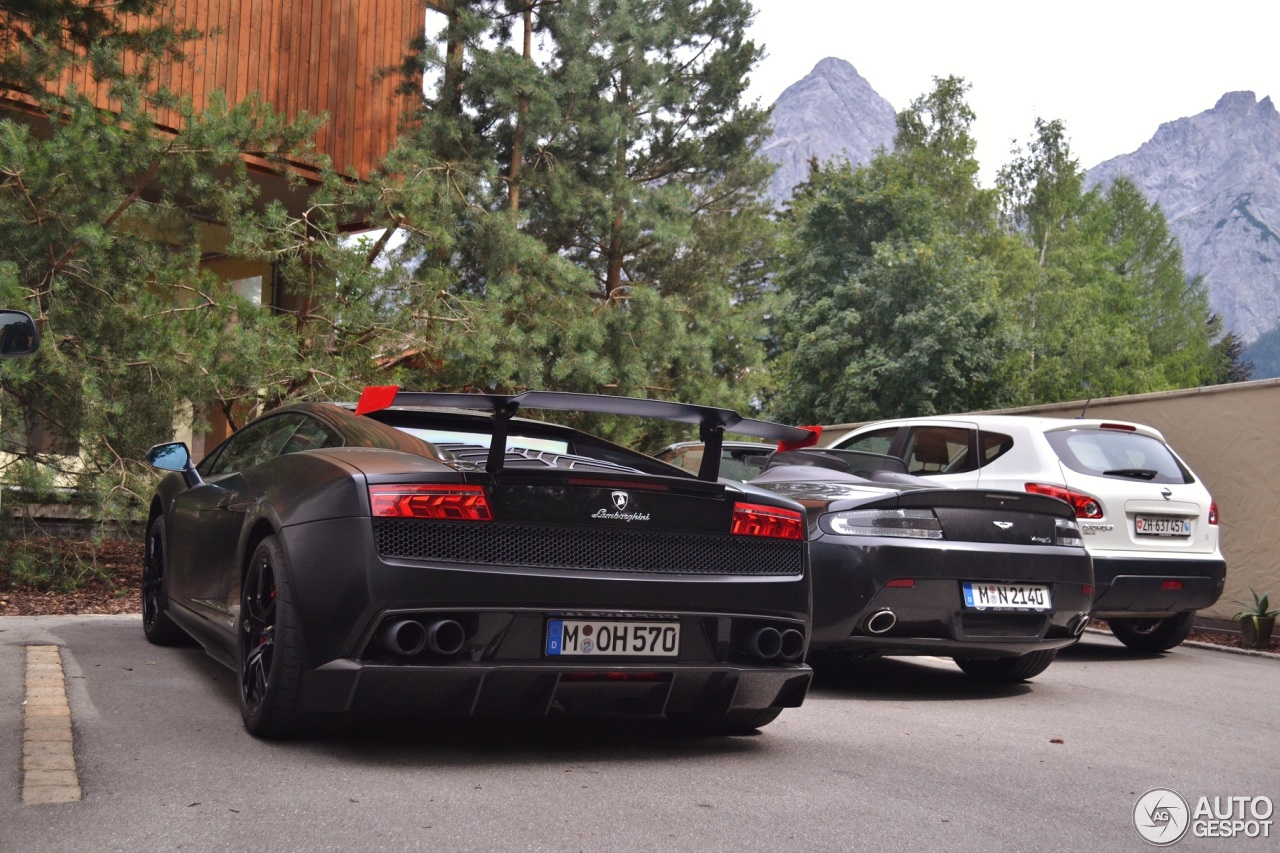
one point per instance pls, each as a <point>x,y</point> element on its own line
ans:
<point>446,437</point>
<point>1121,455</point>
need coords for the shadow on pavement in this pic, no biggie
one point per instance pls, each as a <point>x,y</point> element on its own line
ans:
<point>1100,649</point>
<point>894,679</point>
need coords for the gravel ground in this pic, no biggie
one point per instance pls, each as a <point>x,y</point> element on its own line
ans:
<point>114,585</point>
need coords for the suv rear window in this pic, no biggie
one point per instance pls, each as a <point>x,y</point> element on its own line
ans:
<point>1121,455</point>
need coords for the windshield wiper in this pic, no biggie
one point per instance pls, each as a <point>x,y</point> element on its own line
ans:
<point>1135,473</point>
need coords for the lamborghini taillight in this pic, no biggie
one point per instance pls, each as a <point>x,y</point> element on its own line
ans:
<point>770,522</point>
<point>453,502</point>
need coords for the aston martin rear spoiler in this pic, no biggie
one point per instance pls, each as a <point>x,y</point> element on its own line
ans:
<point>712,422</point>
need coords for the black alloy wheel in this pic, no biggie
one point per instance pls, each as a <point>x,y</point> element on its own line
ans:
<point>258,624</point>
<point>157,624</point>
<point>270,651</point>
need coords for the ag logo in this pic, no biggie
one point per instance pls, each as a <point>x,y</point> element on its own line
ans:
<point>1161,817</point>
<point>620,500</point>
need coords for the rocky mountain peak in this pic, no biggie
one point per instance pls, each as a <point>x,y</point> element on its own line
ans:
<point>1244,103</point>
<point>1216,175</point>
<point>832,112</point>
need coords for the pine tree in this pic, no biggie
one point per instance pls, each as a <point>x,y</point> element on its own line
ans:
<point>600,161</point>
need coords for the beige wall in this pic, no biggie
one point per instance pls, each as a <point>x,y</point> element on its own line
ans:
<point>1230,436</point>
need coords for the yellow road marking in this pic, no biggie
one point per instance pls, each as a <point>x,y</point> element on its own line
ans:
<point>48,755</point>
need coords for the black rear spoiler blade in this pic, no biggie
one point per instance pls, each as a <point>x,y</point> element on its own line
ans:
<point>712,422</point>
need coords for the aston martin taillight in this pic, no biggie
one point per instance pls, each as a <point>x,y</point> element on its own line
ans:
<point>768,521</point>
<point>453,502</point>
<point>897,523</point>
<point>1084,505</point>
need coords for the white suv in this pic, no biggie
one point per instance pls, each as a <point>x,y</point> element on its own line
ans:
<point>1149,523</point>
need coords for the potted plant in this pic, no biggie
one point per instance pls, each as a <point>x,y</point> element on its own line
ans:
<point>1256,622</point>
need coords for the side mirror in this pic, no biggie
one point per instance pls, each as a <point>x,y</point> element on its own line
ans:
<point>174,456</point>
<point>18,334</point>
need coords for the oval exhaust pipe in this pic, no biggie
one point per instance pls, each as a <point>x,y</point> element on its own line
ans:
<point>1081,623</point>
<point>792,645</point>
<point>880,622</point>
<point>765,643</point>
<point>405,637</point>
<point>445,637</point>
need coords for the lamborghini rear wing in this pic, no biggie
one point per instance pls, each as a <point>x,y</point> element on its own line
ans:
<point>712,422</point>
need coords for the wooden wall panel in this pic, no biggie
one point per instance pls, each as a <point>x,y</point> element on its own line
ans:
<point>313,56</point>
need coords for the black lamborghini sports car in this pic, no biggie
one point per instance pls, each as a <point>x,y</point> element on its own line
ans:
<point>432,554</point>
<point>999,581</point>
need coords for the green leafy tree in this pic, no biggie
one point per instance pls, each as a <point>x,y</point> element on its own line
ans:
<point>1108,309</point>
<point>888,301</point>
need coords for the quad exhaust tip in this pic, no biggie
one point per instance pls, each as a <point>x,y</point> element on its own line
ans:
<point>880,622</point>
<point>792,645</point>
<point>765,643</point>
<point>408,637</point>
<point>768,643</point>
<point>445,637</point>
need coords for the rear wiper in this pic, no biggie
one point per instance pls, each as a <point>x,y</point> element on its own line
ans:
<point>1135,473</point>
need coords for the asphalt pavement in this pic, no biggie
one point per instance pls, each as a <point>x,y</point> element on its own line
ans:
<point>889,755</point>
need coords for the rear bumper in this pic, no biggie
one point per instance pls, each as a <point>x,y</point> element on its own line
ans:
<point>346,591</point>
<point>1163,587</point>
<point>471,689</point>
<point>349,595</point>
<point>850,578</point>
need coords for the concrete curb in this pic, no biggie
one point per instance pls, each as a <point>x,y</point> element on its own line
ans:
<point>1196,644</point>
<point>48,746</point>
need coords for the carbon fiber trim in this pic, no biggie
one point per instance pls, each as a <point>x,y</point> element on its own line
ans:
<point>606,549</point>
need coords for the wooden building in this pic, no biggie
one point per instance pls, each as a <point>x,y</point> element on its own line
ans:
<point>318,57</point>
<point>312,56</point>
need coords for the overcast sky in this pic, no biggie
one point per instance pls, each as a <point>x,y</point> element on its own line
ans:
<point>1113,72</point>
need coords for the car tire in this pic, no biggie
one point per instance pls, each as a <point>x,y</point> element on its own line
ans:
<point>733,723</point>
<point>1007,670</point>
<point>270,648</point>
<point>157,625</point>
<point>1153,635</point>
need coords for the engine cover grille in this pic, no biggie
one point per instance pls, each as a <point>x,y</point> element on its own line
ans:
<point>603,549</point>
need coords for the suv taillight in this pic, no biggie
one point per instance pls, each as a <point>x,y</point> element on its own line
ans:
<point>1213,512</point>
<point>768,521</point>
<point>1085,506</point>
<point>455,502</point>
